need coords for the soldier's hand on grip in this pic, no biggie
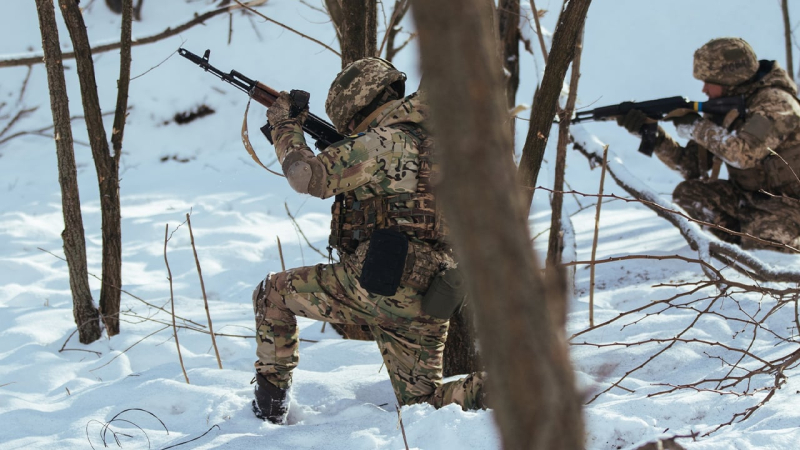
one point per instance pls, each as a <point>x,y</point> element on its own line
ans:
<point>632,121</point>
<point>281,111</point>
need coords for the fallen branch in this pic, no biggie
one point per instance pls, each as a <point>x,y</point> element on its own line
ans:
<point>707,246</point>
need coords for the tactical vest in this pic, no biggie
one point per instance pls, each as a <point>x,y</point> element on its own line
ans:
<point>414,213</point>
<point>776,174</point>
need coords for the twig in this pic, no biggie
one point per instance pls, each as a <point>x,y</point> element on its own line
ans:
<point>596,235</point>
<point>17,117</point>
<point>157,65</point>
<point>300,230</point>
<point>203,288</point>
<point>130,347</point>
<point>280,253</point>
<point>287,27</point>
<point>192,440</point>
<point>38,58</point>
<point>128,293</point>
<point>539,30</point>
<point>24,85</point>
<point>4,385</point>
<point>400,424</point>
<point>172,302</point>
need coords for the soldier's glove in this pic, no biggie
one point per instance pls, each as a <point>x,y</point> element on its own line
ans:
<point>686,119</point>
<point>632,121</point>
<point>286,109</point>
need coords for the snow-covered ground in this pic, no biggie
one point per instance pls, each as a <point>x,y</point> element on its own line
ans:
<point>56,393</point>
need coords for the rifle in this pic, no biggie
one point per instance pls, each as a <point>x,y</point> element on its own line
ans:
<point>323,132</point>
<point>658,109</point>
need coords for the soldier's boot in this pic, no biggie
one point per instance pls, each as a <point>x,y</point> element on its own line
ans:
<point>271,402</point>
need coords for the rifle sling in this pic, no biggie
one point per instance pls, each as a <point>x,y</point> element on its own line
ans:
<point>248,146</point>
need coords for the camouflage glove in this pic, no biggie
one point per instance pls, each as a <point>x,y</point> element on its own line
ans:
<point>632,121</point>
<point>686,119</point>
<point>282,112</point>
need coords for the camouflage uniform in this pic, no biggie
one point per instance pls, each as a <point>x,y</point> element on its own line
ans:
<point>380,160</point>
<point>760,150</point>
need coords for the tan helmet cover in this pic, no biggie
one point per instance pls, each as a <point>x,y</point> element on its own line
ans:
<point>356,86</point>
<point>725,61</point>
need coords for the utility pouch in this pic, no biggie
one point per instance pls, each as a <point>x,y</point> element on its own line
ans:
<point>384,262</point>
<point>445,295</point>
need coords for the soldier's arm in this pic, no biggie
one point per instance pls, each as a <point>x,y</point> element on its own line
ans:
<point>772,115</point>
<point>342,167</point>
<point>677,157</point>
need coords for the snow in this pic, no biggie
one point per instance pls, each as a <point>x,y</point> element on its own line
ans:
<point>342,398</point>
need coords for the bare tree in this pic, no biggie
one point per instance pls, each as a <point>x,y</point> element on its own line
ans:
<point>531,381</point>
<point>570,24</point>
<point>788,36</point>
<point>356,24</point>
<point>86,314</point>
<point>508,28</point>
<point>106,163</point>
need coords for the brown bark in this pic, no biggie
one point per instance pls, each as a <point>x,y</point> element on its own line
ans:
<point>508,29</point>
<point>84,311</point>
<point>107,167</point>
<point>393,29</point>
<point>788,36</point>
<point>570,23</point>
<point>356,24</point>
<point>531,381</point>
<point>356,28</point>
<point>555,243</point>
<point>460,354</point>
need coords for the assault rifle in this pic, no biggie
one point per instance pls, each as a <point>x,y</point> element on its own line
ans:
<point>659,109</point>
<point>323,132</point>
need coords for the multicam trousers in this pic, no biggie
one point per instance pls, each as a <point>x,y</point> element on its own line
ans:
<point>720,202</point>
<point>411,342</point>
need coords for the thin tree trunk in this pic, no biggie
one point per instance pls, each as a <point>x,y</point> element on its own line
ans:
<point>531,381</point>
<point>570,24</point>
<point>356,24</point>
<point>787,26</point>
<point>393,29</point>
<point>105,164</point>
<point>460,354</point>
<point>86,315</point>
<point>556,243</point>
<point>508,28</point>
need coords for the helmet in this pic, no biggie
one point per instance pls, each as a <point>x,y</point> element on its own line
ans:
<point>725,61</point>
<point>356,86</point>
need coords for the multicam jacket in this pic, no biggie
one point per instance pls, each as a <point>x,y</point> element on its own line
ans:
<point>381,178</point>
<point>761,150</point>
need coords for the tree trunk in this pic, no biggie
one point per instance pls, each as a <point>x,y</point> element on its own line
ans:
<point>460,354</point>
<point>532,386</point>
<point>107,169</point>
<point>356,28</point>
<point>86,315</point>
<point>508,28</point>
<point>787,27</point>
<point>570,24</point>
<point>393,29</point>
<point>356,24</point>
<point>556,242</point>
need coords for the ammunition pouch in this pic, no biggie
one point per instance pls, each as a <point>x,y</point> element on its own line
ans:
<point>384,262</point>
<point>446,295</point>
